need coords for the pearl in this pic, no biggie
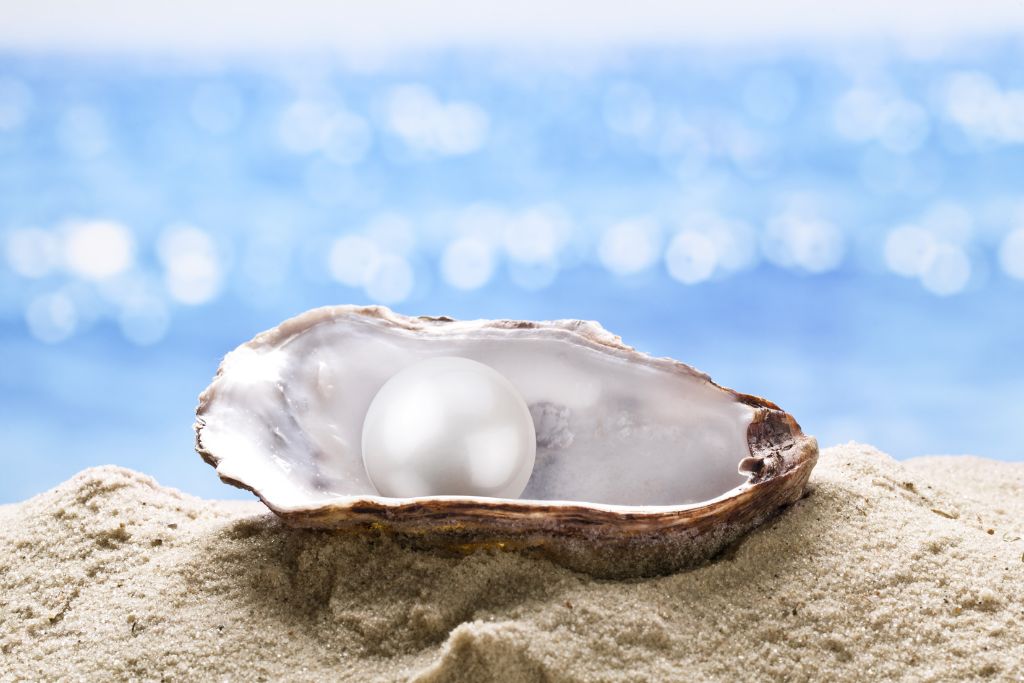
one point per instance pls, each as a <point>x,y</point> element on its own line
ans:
<point>449,426</point>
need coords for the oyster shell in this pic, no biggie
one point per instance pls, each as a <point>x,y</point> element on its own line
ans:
<point>644,465</point>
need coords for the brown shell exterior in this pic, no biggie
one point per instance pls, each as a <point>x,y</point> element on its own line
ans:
<point>601,542</point>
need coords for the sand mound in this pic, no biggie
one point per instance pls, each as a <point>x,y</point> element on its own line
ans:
<point>886,570</point>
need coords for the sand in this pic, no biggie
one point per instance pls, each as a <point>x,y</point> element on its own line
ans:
<point>910,571</point>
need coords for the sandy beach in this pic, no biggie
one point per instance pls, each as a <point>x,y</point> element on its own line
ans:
<point>886,570</point>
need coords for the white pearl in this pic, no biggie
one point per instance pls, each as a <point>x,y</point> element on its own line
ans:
<point>449,426</point>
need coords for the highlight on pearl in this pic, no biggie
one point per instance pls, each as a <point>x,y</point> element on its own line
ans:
<point>449,426</point>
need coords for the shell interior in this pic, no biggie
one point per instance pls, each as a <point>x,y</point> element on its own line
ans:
<point>614,427</point>
<point>644,465</point>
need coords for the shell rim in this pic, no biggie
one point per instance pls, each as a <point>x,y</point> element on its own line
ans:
<point>767,461</point>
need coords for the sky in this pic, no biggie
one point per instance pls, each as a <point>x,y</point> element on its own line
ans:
<point>816,206</point>
<point>399,26</point>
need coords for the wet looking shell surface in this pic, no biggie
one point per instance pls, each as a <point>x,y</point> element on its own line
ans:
<point>643,465</point>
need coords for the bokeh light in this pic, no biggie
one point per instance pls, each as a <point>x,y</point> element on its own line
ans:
<point>98,249</point>
<point>32,252</point>
<point>193,271</point>
<point>304,127</point>
<point>793,240</point>
<point>51,317</point>
<point>427,124</point>
<point>946,270</point>
<point>537,235</point>
<point>840,231</point>
<point>985,111</point>
<point>468,263</point>
<point>691,257</point>
<point>390,279</point>
<point>1011,254</point>
<point>630,246</point>
<point>352,258</point>
<point>908,250</point>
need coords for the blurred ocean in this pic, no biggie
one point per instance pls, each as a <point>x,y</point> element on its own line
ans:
<point>842,233</point>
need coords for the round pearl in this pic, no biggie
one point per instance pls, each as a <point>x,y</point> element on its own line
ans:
<point>449,426</point>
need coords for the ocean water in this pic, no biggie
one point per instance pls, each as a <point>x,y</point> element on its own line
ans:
<point>842,234</point>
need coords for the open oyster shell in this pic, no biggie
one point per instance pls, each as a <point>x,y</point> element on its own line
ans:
<point>644,465</point>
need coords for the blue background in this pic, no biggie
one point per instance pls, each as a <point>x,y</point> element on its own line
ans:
<point>853,250</point>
